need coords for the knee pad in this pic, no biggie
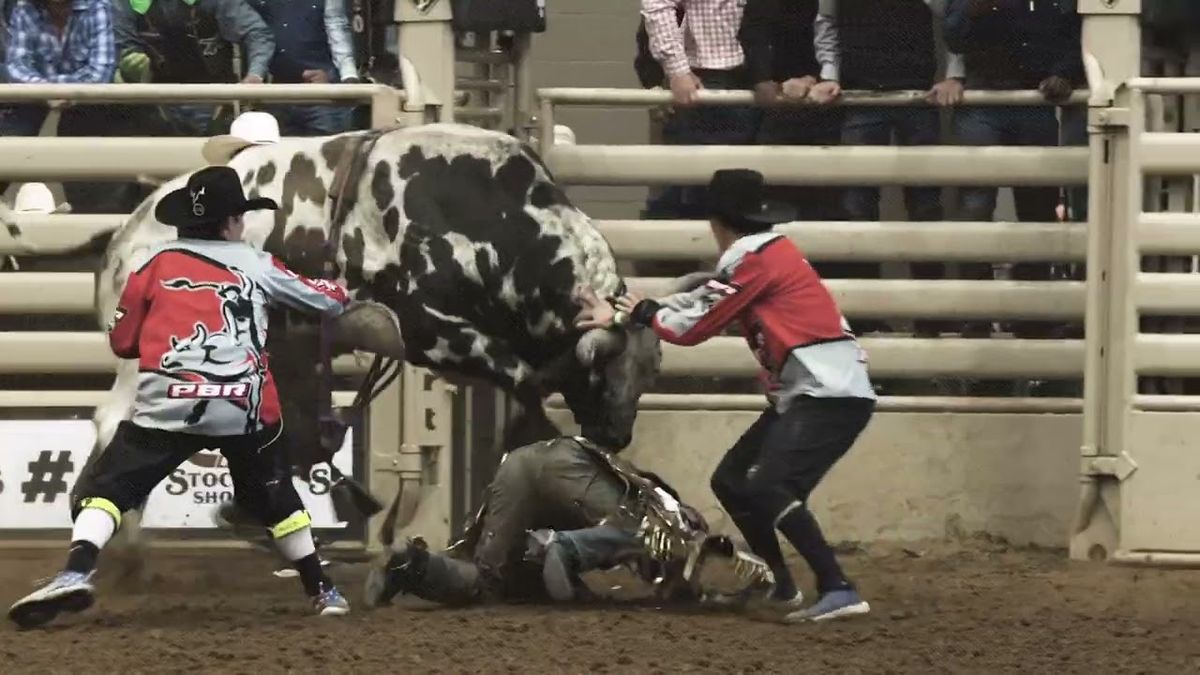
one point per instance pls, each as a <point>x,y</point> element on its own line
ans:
<point>102,504</point>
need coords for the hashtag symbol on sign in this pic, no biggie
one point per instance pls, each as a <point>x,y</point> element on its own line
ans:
<point>46,476</point>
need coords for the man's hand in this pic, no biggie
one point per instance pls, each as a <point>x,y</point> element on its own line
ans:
<point>627,302</point>
<point>134,66</point>
<point>252,79</point>
<point>767,93</point>
<point>825,92</point>
<point>315,76</point>
<point>684,87</point>
<point>798,88</point>
<point>595,312</point>
<point>946,93</point>
<point>1055,89</point>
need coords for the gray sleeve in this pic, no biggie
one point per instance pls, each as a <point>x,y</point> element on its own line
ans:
<point>955,65</point>
<point>341,42</point>
<point>240,24</point>
<point>826,45</point>
<point>284,286</point>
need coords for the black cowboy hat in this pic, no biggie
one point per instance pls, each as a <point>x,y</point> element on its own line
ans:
<point>738,198</point>
<point>211,195</point>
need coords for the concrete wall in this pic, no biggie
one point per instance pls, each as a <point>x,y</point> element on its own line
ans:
<point>589,43</point>
<point>910,477</point>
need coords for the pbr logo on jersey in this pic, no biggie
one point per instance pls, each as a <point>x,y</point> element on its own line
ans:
<point>231,390</point>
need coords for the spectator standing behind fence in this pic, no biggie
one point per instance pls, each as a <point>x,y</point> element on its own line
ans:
<point>65,42</point>
<point>792,54</point>
<point>313,45</point>
<point>1017,44</point>
<point>701,52</point>
<point>191,41</point>
<point>889,46</point>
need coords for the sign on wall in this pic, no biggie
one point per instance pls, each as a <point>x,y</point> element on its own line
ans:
<point>40,461</point>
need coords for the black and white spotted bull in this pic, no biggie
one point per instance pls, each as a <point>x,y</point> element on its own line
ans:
<point>464,234</point>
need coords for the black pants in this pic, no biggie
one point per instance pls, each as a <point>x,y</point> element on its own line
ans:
<point>137,459</point>
<point>782,457</point>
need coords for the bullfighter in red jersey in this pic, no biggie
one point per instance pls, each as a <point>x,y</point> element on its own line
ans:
<point>820,395</point>
<point>194,316</point>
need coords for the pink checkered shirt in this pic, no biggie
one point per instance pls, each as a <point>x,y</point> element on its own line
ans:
<point>706,40</point>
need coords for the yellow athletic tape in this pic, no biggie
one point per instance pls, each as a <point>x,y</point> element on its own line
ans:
<point>104,505</point>
<point>293,523</point>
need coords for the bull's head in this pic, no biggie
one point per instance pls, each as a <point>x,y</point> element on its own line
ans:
<point>614,368</point>
<point>618,367</point>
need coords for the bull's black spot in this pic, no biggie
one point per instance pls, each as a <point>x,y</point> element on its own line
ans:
<point>300,182</point>
<point>267,173</point>
<point>305,252</point>
<point>354,245</point>
<point>391,223</point>
<point>331,151</point>
<point>249,177</point>
<point>545,195</point>
<point>381,187</point>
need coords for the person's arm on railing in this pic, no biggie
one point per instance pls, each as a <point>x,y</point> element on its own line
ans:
<point>828,52</point>
<point>341,43</point>
<point>666,46</point>
<point>757,38</point>
<point>1068,67</point>
<point>950,90</point>
<point>22,45</point>
<point>239,23</point>
<point>102,49</point>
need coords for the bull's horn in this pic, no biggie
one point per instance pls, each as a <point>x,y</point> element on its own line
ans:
<point>370,327</point>
<point>597,343</point>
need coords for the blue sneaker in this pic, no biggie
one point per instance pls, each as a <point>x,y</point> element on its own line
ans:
<point>66,592</point>
<point>831,605</point>
<point>330,602</point>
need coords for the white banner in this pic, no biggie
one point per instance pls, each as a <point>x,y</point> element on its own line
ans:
<point>40,461</point>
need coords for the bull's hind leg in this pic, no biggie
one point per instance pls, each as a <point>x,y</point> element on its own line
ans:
<point>127,546</point>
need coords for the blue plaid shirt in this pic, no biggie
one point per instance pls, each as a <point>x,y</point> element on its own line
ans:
<point>85,53</point>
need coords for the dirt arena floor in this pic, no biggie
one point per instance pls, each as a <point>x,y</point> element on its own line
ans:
<point>978,608</point>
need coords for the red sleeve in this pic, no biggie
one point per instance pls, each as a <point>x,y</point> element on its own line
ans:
<point>320,295</point>
<point>125,328</point>
<point>688,319</point>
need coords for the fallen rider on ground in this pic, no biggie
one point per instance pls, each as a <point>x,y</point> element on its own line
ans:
<point>555,510</point>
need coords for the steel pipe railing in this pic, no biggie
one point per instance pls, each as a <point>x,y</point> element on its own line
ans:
<point>819,165</point>
<point>905,404</point>
<point>610,97</point>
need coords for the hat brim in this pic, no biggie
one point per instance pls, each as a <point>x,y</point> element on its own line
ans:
<point>772,213</point>
<point>221,149</point>
<point>175,209</point>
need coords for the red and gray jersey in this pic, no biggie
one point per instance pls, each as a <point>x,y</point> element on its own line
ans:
<point>791,321</point>
<point>195,318</point>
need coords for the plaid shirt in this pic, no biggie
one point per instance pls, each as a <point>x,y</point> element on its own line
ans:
<point>85,53</point>
<point>707,39</point>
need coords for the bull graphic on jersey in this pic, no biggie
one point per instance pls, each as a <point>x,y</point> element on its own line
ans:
<point>232,354</point>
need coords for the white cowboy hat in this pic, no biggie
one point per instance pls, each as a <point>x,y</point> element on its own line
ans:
<point>250,128</point>
<point>36,198</point>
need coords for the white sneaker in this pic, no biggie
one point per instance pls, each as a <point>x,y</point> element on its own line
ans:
<point>66,592</point>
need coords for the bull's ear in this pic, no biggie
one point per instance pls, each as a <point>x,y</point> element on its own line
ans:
<point>598,344</point>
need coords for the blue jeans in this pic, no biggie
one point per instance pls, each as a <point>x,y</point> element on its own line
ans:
<point>313,120</point>
<point>874,126</point>
<point>704,125</point>
<point>602,546</point>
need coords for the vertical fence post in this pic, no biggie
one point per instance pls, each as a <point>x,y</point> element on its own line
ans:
<point>426,41</point>
<point>1111,51</point>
